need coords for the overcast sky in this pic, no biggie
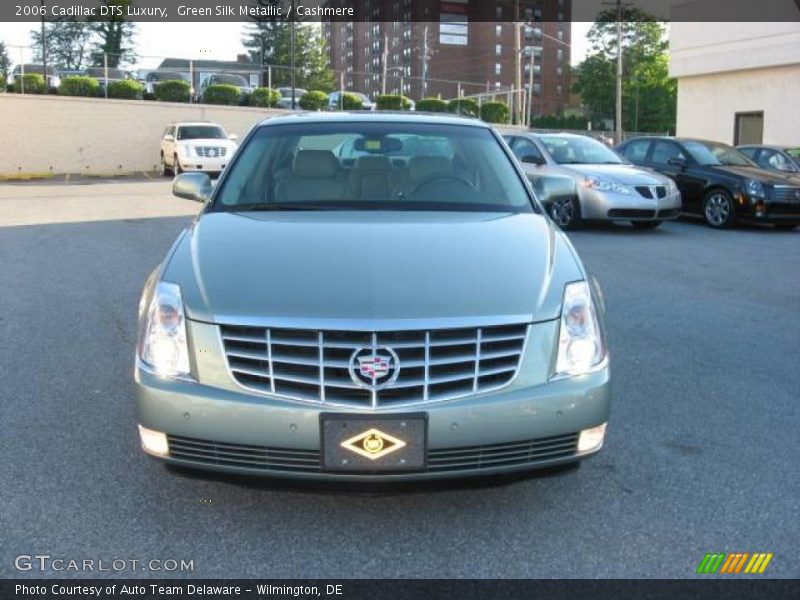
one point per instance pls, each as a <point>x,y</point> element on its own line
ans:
<point>220,41</point>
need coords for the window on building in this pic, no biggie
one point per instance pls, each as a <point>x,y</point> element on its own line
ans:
<point>748,128</point>
<point>560,54</point>
<point>498,12</point>
<point>498,30</point>
<point>560,35</point>
<point>498,68</point>
<point>498,49</point>
<point>559,90</point>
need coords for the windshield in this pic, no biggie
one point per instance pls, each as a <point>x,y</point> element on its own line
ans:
<point>197,132</point>
<point>389,167</point>
<point>712,154</point>
<point>165,76</point>
<point>578,150</point>
<point>229,79</point>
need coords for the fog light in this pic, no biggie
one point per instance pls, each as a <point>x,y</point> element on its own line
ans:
<point>591,440</point>
<point>155,442</point>
<point>761,210</point>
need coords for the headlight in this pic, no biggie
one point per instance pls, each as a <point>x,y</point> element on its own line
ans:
<point>185,149</point>
<point>603,185</point>
<point>755,188</point>
<point>581,346</point>
<point>671,187</point>
<point>163,340</point>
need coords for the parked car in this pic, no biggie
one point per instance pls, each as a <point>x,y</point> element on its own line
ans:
<point>196,146</point>
<point>608,187</point>
<point>153,78</point>
<point>286,98</point>
<point>333,100</point>
<point>237,81</point>
<point>100,73</point>
<point>53,78</point>
<point>370,322</point>
<point>718,182</point>
<point>774,158</point>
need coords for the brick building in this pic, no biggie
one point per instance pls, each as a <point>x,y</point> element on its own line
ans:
<point>454,46</point>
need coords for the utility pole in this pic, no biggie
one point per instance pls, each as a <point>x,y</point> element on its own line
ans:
<point>44,52</point>
<point>530,88</point>
<point>384,59</point>
<point>517,64</point>
<point>619,72</point>
<point>424,61</point>
<point>292,57</point>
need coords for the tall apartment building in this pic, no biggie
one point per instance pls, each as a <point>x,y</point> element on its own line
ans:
<point>453,47</point>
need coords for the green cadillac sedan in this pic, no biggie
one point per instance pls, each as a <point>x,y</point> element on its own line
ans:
<point>370,297</point>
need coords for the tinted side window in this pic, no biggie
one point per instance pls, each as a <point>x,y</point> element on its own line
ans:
<point>663,152</point>
<point>749,152</point>
<point>636,151</point>
<point>523,147</point>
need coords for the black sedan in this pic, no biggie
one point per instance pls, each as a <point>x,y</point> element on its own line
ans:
<point>718,182</point>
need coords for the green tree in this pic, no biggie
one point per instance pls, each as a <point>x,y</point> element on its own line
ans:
<point>67,44</point>
<point>311,55</point>
<point>5,62</point>
<point>114,36</point>
<point>648,94</point>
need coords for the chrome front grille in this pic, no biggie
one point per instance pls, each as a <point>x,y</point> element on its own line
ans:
<point>314,365</point>
<point>210,151</point>
<point>786,193</point>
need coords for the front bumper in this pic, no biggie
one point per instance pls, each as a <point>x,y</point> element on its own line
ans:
<point>767,210</point>
<point>628,207</point>
<point>515,429</point>
<point>203,164</point>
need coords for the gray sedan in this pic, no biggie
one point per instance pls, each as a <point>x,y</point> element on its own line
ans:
<point>396,315</point>
<point>607,187</point>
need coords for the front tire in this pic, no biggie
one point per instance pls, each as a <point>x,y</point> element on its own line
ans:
<point>566,213</point>
<point>718,209</point>
<point>646,224</point>
<point>165,170</point>
<point>176,165</point>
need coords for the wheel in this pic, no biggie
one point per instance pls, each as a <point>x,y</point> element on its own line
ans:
<point>165,170</point>
<point>786,226</point>
<point>718,209</point>
<point>646,224</point>
<point>176,165</point>
<point>566,212</point>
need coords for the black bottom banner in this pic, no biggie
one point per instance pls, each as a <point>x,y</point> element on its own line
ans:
<point>390,589</point>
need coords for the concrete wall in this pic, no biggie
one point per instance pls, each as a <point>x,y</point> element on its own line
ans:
<point>707,104</point>
<point>53,134</point>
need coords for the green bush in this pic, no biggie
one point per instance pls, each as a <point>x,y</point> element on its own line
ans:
<point>464,106</point>
<point>34,83</point>
<point>392,102</point>
<point>351,102</point>
<point>126,89</point>
<point>314,100</point>
<point>220,93</point>
<point>174,90</point>
<point>264,97</point>
<point>2,83</point>
<point>432,105</point>
<point>495,112</point>
<point>78,85</point>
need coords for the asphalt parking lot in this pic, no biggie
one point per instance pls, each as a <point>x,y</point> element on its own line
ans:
<point>702,451</point>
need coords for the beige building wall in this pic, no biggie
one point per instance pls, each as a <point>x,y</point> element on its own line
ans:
<point>729,68</point>
<point>95,136</point>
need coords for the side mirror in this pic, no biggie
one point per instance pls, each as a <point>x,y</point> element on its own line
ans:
<point>233,137</point>
<point>533,159</point>
<point>678,162</point>
<point>192,186</point>
<point>169,138</point>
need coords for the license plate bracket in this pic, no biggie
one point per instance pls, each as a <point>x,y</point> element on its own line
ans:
<point>373,443</point>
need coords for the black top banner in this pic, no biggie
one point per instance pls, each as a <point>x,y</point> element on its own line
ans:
<point>392,589</point>
<point>402,10</point>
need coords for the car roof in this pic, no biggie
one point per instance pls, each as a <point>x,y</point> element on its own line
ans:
<point>374,117</point>
<point>770,146</point>
<point>190,123</point>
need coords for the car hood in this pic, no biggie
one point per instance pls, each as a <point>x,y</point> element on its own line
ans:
<point>207,142</point>
<point>624,174</point>
<point>762,175</point>
<point>366,270</point>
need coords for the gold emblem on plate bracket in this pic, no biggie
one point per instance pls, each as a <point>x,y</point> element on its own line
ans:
<point>373,444</point>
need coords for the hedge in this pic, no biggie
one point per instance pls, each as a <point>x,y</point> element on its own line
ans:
<point>264,97</point>
<point>174,90</point>
<point>78,85</point>
<point>432,105</point>
<point>464,106</point>
<point>2,83</point>
<point>127,89</point>
<point>314,100</point>
<point>495,112</point>
<point>351,102</point>
<point>34,83</point>
<point>220,93</point>
<point>392,102</point>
